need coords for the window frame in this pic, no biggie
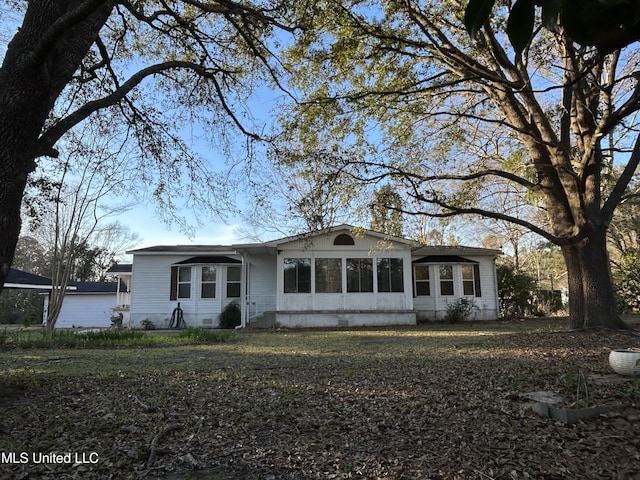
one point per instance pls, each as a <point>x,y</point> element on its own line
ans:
<point>203,282</point>
<point>357,274</point>
<point>234,282</point>
<point>446,280</point>
<point>422,281</point>
<point>301,268</point>
<point>180,282</point>
<point>344,240</point>
<point>322,283</point>
<point>468,281</point>
<point>475,280</point>
<point>390,278</point>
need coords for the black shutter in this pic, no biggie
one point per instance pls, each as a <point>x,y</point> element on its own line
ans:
<point>476,279</point>
<point>173,295</point>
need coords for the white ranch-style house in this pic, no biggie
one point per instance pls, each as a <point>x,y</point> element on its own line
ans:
<point>341,276</point>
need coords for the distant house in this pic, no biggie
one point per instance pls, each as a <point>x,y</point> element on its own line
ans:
<point>87,305</point>
<point>340,276</point>
<point>16,310</point>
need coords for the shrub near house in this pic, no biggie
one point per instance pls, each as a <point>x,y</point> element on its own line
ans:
<point>516,292</point>
<point>230,317</point>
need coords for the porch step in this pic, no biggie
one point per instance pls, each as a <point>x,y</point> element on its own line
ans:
<point>265,320</point>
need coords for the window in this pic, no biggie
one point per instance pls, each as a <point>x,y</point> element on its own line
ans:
<point>184,282</point>
<point>423,287</point>
<point>359,275</point>
<point>328,275</point>
<point>390,275</point>
<point>297,275</point>
<point>446,280</point>
<point>471,280</point>
<point>234,274</point>
<point>208,283</point>
<point>468,282</point>
<point>344,239</point>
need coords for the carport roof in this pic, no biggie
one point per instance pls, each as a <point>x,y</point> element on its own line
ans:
<point>20,279</point>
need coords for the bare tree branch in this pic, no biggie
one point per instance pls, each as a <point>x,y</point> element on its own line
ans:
<point>53,134</point>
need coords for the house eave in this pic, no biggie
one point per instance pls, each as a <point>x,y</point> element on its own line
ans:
<point>454,250</point>
<point>186,250</point>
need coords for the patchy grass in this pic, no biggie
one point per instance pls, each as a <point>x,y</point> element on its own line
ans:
<point>207,335</point>
<point>436,401</point>
<point>100,338</point>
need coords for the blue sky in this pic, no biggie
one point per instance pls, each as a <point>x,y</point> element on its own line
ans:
<point>152,231</point>
<point>144,219</point>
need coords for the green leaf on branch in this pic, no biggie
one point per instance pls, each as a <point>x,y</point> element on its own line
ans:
<point>520,24</point>
<point>550,11</point>
<point>476,14</point>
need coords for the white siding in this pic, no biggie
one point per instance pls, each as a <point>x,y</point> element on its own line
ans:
<point>344,319</point>
<point>261,285</point>
<point>151,293</point>
<point>150,290</point>
<point>85,310</point>
<point>434,306</point>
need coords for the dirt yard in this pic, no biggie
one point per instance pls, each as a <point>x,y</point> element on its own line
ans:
<point>430,402</point>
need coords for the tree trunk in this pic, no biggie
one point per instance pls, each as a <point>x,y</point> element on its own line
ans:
<point>39,63</point>
<point>10,200</point>
<point>591,296</point>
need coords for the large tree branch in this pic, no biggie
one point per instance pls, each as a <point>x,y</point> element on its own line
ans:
<point>480,175</point>
<point>625,178</point>
<point>63,24</point>
<point>448,54</point>
<point>517,100</point>
<point>53,134</point>
<point>449,210</point>
<point>416,178</point>
<point>629,107</point>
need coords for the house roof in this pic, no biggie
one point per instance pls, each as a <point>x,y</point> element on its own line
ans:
<point>20,279</point>
<point>208,260</point>
<point>454,250</point>
<point>443,259</point>
<point>270,247</point>
<point>122,268</point>
<point>183,250</point>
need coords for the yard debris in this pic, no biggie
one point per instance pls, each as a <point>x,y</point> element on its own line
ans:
<point>153,447</point>
<point>550,398</point>
<point>362,404</point>
<point>146,408</point>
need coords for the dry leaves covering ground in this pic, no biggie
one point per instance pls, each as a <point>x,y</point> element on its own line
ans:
<point>431,402</point>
